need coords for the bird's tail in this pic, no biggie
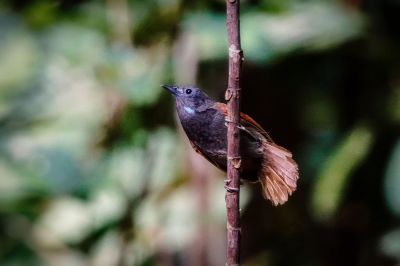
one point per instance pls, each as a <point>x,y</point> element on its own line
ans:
<point>279,173</point>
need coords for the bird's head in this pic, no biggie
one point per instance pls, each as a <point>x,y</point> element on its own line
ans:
<point>189,96</point>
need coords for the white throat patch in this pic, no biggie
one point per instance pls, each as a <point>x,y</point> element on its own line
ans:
<point>189,110</point>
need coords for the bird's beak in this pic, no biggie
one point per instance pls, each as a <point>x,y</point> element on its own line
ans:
<point>171,88</point>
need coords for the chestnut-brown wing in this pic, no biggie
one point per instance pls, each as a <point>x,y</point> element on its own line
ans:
<point>246,121</point>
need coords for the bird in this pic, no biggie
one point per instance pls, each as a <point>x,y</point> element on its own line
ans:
<point>262,160</point>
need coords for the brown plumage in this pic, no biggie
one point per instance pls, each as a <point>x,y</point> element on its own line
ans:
<point>262,160</point>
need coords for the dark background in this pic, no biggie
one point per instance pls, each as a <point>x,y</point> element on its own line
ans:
<point>94,169</point>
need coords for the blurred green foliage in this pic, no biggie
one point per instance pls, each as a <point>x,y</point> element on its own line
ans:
<point>94,172</point>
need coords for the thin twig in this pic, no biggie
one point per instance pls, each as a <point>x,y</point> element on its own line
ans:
<point>233,154</point>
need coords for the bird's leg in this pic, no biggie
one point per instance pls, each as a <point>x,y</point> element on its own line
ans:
<point>237,124</point>
<point>229,188</point>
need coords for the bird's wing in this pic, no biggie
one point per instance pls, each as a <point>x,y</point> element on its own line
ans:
<point>214,162</point>
<point>279,172</point>
<point>246,121</point>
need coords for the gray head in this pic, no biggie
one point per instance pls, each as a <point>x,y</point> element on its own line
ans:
<point>189,96</point>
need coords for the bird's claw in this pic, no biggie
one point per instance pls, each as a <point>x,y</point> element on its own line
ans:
<point>238,125</point>
<point>229,188</point>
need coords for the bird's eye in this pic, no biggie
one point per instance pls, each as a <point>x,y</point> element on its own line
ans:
<point>188,91</point>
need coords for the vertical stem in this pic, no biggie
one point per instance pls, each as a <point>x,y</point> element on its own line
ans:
<point>233,154</point>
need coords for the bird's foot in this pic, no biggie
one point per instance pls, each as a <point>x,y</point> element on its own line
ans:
<point>238,125</point>
<point>229,188</point>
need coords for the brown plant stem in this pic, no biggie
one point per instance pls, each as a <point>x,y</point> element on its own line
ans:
<point>233,119</point>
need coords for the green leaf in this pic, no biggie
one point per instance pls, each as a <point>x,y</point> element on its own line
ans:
<point>392,181</point>
<point>335,173</point>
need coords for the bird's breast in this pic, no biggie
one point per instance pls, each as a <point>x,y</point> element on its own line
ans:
<point>205,129</point>
<point>208,132</point>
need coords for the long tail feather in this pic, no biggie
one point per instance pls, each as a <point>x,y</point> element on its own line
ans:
<point>279,173</point>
